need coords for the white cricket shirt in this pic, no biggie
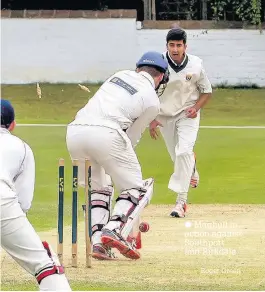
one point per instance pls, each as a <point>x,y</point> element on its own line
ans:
<point>186,83</point>
<point>126,101</point>
<point>17,170</point>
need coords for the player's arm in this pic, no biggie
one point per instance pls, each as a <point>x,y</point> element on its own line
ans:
<point>205,89</point>
<point>138,127</point>
<point>25,181</point>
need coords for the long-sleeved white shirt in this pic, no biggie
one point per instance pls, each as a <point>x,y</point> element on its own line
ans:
<point>17,170</point>
<point>126,101</point>
<point>185,85</point>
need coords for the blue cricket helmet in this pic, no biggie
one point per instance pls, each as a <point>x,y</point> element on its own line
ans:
<point>7,113</point>
<point>153,59</point>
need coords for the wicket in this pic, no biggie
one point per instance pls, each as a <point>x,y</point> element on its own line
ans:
<point>88,227</point>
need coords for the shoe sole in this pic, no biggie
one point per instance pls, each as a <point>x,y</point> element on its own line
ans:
<point>101,257</point>
<point>122,248</point>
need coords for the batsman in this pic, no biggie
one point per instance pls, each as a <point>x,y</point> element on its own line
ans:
<point>106,131</point>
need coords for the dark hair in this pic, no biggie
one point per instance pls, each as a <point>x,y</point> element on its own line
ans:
<point>152,70</point>
<point>177,34</point>
<point>7,113</point>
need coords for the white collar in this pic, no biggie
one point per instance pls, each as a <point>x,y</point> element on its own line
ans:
<point>175,62</point>
<point>4,130</point>
<point>148,77</point>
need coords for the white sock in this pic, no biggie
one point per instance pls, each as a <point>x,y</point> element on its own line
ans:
<point>55,283</point>
<point>182,197</point>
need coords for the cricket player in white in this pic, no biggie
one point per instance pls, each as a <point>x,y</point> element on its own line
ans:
<point>188,90</point>
<point>18,238</point>
<point>106,130</point>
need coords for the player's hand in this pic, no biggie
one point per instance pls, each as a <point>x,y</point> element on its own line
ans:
<point>153,129</point>
<point>191,112</point>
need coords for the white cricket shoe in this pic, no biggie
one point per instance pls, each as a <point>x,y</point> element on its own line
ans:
<point>101,252</point>
<point>112,239</point>
<point>179,210</point>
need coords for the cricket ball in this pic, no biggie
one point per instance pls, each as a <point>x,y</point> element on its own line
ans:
<point>144,227</point>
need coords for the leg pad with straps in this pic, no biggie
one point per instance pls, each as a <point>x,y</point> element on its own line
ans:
<point>121,218</point>
<point>129,197</point>
<point>100,207</point>
<point>134,216</point>
<point>50,270</point>
<point>126,203</point>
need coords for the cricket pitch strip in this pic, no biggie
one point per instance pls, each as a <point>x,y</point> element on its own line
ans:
<point>216,247</point>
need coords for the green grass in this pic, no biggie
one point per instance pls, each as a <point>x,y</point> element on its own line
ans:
<point>235,107</point>
<point>60,102</point>
<point>84,286</point>
<point>75,285</point>
<point>231,164</point>
<point>231,161</point>
<point>214,283</point>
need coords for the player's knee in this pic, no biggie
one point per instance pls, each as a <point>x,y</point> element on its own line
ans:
<point>48,271</point>
<point>135,194</point>
<point>53,268</point>
<point>132,195</point>
<point>101,204</point>
<point>184,150</point>
<point>102,198</point>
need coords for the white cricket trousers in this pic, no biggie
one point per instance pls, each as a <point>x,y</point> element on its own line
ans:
<point>21,242</point>
<point>110,153</point>
<point>180,134</point>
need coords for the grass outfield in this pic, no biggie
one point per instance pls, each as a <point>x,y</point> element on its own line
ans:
<point>231,165</point>
<point>60,102</point>
<point>230,161</point>
<point>230,173</point>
